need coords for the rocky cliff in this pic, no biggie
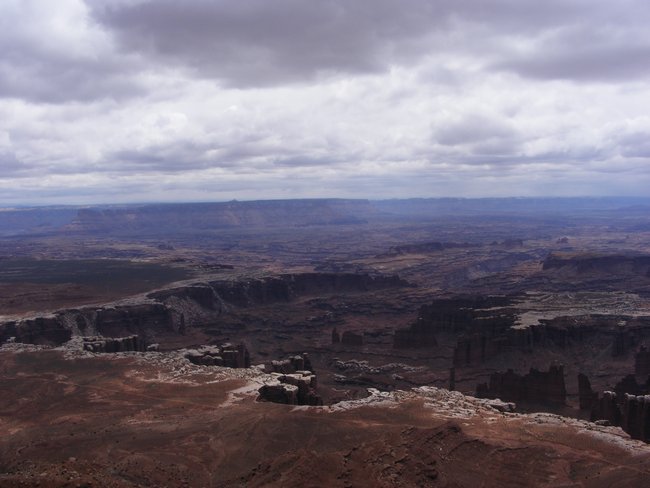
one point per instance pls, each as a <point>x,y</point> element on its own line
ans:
<point>173,310</point>
<point>456,315</point>
<point>630,412</point>
<point>593,263</point>
<point>540,387</point>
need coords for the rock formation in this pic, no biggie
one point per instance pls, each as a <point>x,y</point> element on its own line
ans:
<point>298,388</point>
<point>114,344</point>
<point>586,395</point>
<point>427,247</point>
<point>622,342</point>
<point>594,263</point>
<point>226,355</point>
<point>606,408</point>
<point>336,337</point>
<point>628,406</point>
<point>47,330</point>
<point>630,412</point>
<point>121,320</point>
<point>291,365</point>
<point>173,310</point>
<point>538,387</point>
<point>635,418</point>
<point>476,348</point>
<point>474,316</point>
<point>350,338</point>
<point>642,362</point>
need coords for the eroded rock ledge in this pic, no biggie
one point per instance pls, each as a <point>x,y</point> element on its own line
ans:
<point>174,309</point>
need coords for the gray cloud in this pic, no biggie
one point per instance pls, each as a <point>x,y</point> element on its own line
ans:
<point>210,99</point>
<point>635,144</point>
<point>9,164</point>
<point>64,80</point>
<point>579,60</point>
<point>473,129</point>
<point>44,61</point>
<point>262,43</point>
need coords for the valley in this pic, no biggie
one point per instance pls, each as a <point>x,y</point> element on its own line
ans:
<point>347,306</point>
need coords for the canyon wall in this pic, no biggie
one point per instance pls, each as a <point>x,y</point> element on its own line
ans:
<point>175,309</point>
<point>540,387</point>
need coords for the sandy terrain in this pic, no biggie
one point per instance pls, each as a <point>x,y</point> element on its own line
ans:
<point>123,421</point>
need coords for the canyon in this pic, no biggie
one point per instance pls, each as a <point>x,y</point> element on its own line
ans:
<point>526,323</point>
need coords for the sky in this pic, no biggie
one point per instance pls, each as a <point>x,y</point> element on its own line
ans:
<point>117,101</point>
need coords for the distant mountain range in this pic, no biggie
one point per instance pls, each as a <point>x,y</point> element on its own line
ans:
<point>158,219</point>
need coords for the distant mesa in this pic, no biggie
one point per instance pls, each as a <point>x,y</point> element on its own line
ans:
<point>587,263</point>
<point>202,217</point>
<point>427,247</point>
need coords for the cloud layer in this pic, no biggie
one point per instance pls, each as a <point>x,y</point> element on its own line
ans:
<point>142,100</point>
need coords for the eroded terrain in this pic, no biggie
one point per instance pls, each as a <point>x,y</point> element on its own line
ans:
<point>510,300</point>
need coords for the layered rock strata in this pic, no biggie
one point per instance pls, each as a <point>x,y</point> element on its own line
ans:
<point>173,310</point>
<point>227,355</point>
<point>116,344</point>
<point>540,387</point>
<point>298,388</point>
<point>291,365</point>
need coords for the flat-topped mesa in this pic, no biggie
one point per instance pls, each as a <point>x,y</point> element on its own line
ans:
<point>285,287</point>
<point>171,311</point>
<point>298,388</point>
<point>427,247</point>
<point>114,344</point>
<point>350,338</point>
<point>477,348</point>
<point>624,332</point>
<point>468,314</point>
<point>302,284</point>
<point>539,387</point>
<point>49,331</point>
<point>227,355</point>
<point>120,320</point>
<point>174,218</point>
<point>204,295</point>
<point>109,321</point>
<point>484,315</point>
<point>487,337</point>
<point>292,382</point>
<point>606,266</point>
<point>299,362</point>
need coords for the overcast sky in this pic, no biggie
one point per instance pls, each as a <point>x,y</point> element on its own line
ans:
<point>162,100</point>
